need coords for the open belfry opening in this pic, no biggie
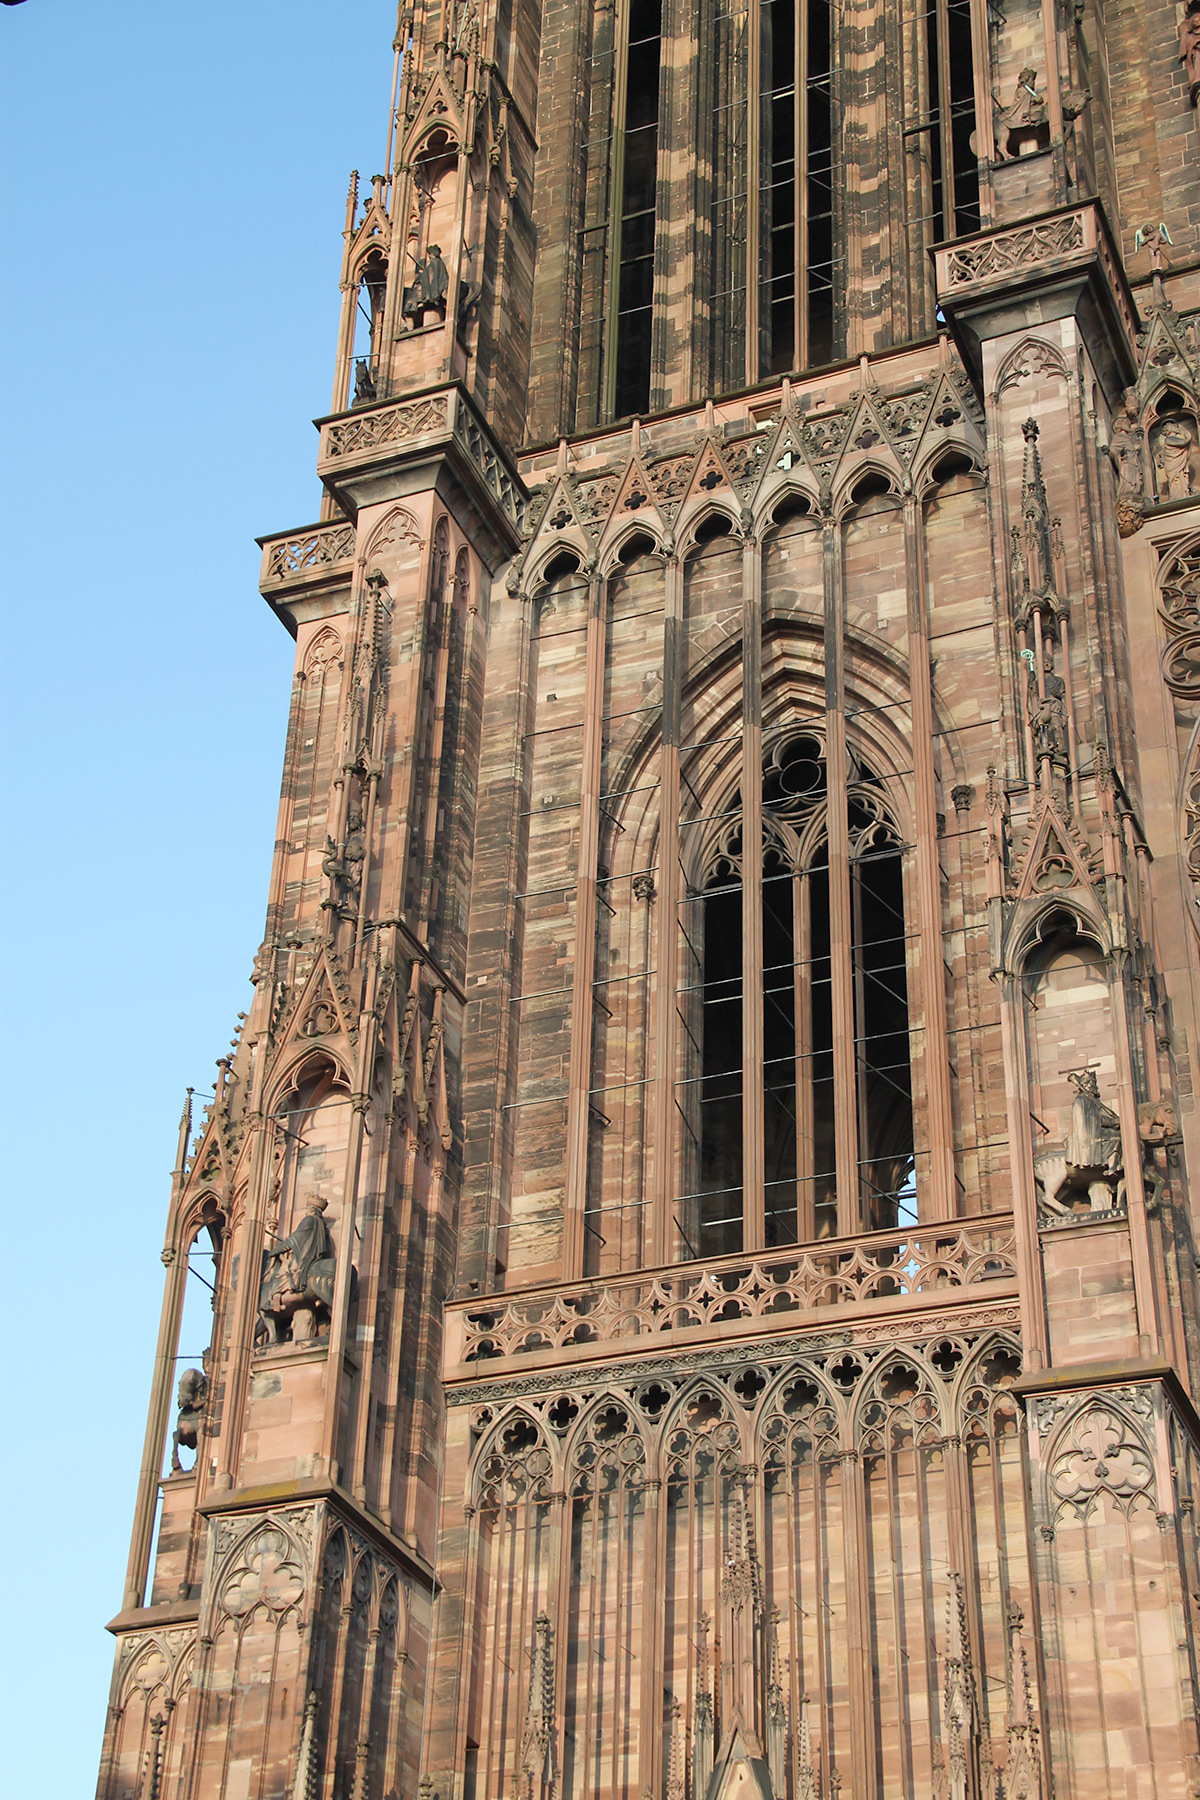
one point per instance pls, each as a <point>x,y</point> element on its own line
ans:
<point>686,1285</point>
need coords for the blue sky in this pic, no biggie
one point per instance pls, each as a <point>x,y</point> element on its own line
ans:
<point>174,188</point>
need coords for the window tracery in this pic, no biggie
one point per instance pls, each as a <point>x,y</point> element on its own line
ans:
<point>800,962</point>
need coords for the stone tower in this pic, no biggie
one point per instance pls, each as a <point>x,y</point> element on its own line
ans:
<point>704,1291</point>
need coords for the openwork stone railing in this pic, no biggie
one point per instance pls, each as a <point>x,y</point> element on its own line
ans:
<point>286,557</point>
<point>394,425</point>
<point>886,1267</point>
<point>385,425</point>
<point>1015,249</point>
<point>1076,236</point>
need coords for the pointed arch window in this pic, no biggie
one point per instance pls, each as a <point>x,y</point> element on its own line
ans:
<point>939,126</point>
<point>638,188</point>
<point>806,1100</point>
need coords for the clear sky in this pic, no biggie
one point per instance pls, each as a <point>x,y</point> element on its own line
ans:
<point>174,182</point>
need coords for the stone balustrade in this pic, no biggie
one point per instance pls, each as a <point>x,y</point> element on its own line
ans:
<point>927,1265</point>
<point>300,552</point>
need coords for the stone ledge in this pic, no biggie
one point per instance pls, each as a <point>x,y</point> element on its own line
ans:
<point>146,1618</point>
<point>305,1491</point>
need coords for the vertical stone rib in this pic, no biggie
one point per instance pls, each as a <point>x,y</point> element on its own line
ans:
<point>1029,1259</point>
<point>666,1035</point>
<point>940,1198</point>
<point>845,1115</point>
<point>753,1164</point>
<point>583,973</point>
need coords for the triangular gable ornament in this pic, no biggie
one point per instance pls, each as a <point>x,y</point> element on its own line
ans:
<point>1053,856</point>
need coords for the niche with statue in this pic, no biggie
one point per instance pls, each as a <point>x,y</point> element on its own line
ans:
<point>1078,1154</point>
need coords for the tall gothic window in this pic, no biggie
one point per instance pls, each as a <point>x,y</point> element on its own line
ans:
<point>796,310</point>
<point>638,187</point>
<point>940,118</point>
<point>772,162</point>
<point>802,963</point>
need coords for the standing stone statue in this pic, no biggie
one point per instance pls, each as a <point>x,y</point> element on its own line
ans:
<point>1048,712</point>
<point>298,1277</point>
<point>1125,448</point>
<point>430,285</point>
<point>1174,447</point>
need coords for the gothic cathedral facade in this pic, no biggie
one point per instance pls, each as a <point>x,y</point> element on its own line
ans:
<point>700,1211</point>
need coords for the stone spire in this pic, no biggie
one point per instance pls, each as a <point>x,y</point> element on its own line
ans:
<point>1023,1767</point>
<point>305,1785</point>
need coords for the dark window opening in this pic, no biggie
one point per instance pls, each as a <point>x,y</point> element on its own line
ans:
<point>368,325</point>
<point>798,1088</point>
<point>797,115</point>
<point>719,1214</point>
<point>947,125</point>
<point>818,184</point>
<point>639,193</point>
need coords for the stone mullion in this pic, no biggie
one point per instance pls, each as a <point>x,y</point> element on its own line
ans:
<point>652,1646</point>
<point>806,1219</point>
<point>845,1119</point>
<point>1013,723</point>
<point>1031,1292</point>
<point>584,969</point>
<point>895,239</point>
<point>403,1226</point>
<point>337,1687</point>
<point>462,813</point>
<point>1054,98</point>
<point>846,87</point>
<point>405,713</point>
<point>1146,1299</point>
<point>941,1199</point>
<point>142,1538</point>
<point>666,1030</point>
<point>362,1745</point>
<point>858,1627</point>
<point>618,1521</point>
<point>964,1551</point>
<point>339,1325</point>
<point>683,91</point>
<point>369,1313</point>
<point>1090,501</point>
<point>287,801</point>
<point>426,1354</point>
<point>982,72</point>
<point>753,1149</point>
<point>425,878</point>
<point>491,1740</point>
<point>457,1652</point>
<point>753,192</point>
<point>497,1152</point>
<point>241,1336</point>
<point>800,184</point>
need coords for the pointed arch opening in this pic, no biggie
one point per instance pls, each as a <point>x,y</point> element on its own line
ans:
<point>802,958</point>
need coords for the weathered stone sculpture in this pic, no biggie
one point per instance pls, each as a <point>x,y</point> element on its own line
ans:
<point>193,1392</point>
<point>1048,711</point>
<point>1022,119</point>
<point>1126,451</point>
<point>1189,49</point>
<point>298,1278</point>
<point>431,282</point>
<point>1092,1159</point>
